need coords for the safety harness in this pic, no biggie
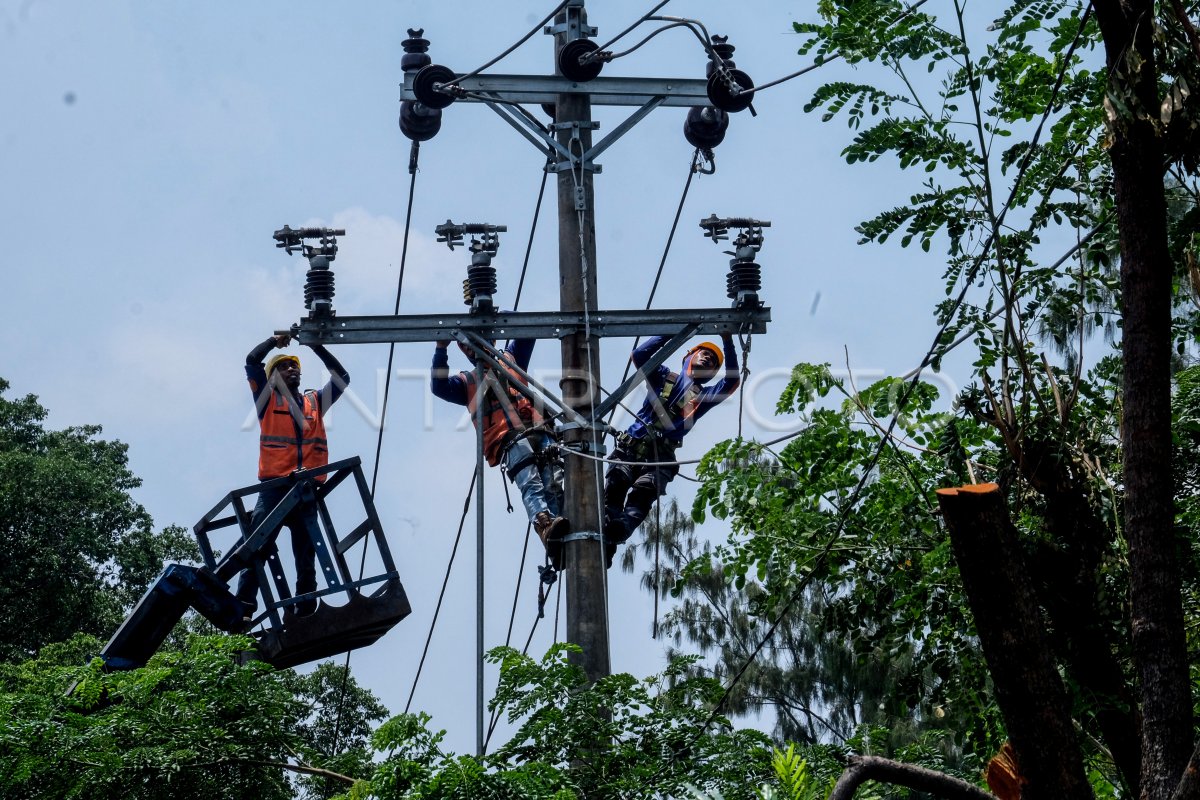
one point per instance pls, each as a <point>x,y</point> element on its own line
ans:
<point>655,446</point>
<point>540,453</point>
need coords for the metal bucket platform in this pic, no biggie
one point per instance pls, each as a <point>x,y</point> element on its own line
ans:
<point>331,630</point>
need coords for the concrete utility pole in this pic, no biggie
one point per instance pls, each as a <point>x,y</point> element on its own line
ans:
<point>586,573</point>
<point>576,86</point>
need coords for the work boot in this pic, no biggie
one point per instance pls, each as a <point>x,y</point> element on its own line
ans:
<point>247,620</point>
<point>615,532</point>
<point>306,608</point>
<point>551,530</point>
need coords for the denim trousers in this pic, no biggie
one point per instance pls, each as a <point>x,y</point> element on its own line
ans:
<point>540,485</point>
<point>302,522</point>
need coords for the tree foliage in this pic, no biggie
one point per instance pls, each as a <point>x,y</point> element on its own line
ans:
<point>78,550</point>
<point>192,723</point>
<point>618,737</point>
<point>1012,135</point>
<point>207,722</point>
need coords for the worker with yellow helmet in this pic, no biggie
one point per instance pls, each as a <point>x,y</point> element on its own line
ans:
<point>291,437</point>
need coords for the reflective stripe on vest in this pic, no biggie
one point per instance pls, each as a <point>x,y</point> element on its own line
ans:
<point>285,445</point>
<point>506,409</point>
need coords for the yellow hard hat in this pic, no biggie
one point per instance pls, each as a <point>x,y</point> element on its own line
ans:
<point>279,359</point>
<point>716,351</point>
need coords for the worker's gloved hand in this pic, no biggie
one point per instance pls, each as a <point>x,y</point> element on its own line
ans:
<point>282,340</point>
<point>442,344</point>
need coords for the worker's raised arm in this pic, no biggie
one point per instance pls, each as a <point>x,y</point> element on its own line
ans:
<point>730,381</point>
<point>339,378</point>
<point>641,354</point>
<point>256,372</point>
<point>445,386</point>
<point>521,351</point>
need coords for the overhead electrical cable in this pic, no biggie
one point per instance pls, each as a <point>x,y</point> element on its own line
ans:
<point>442,594</point>
<point>413,159</point>
<point>687,185</point>
<point>640,20</point>
<point>832,57</point>
<point>517,44</point>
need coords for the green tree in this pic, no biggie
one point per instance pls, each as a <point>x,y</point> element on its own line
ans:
<point>336,727</point>
<point>1052,130</point>
<point>78,550</point>
<point>191,723</point>
<point>813,680</point>
<point>206,722</point>
<point>616,738</point>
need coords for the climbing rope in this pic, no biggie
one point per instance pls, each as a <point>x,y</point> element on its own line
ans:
<point>581,220</point>
<point>745,342</point>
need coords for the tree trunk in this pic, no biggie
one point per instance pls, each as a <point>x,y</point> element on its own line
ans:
<point>1159,646</point>
<point>1029,691</point>
<point>1090,632</point>
<point>1189,785</point>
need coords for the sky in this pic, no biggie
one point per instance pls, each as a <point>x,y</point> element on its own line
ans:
<point>148,150</point>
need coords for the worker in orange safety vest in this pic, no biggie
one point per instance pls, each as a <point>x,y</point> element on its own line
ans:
<point>291,437</point>
<point>513,434</point>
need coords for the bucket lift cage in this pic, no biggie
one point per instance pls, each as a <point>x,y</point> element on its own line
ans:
<point>288,639</point>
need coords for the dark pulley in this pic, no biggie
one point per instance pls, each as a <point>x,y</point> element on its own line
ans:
<point>568,60</point>
<point>722,96</point>
<point>705,126</point>
<point>418,122</point>
<point>423,83</point>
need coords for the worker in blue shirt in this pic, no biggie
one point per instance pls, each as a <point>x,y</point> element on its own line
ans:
<point>643,462</point>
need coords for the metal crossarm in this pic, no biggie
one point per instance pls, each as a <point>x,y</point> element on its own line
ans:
<point>528,324</point>
<point>603,91</point>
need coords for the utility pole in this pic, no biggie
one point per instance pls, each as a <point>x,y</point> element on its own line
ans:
<point>579,325</point>
<point>586,572</point>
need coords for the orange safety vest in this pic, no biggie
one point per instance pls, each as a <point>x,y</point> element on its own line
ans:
<point>506,410</point>
<point>285,446</point>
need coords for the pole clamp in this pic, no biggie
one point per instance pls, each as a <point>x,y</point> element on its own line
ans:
<point>583,536</point>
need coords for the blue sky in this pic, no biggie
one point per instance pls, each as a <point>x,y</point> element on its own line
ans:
<point>149,149</point>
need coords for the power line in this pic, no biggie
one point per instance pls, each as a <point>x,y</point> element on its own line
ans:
<point>441,595</point>
<point>517,44</point>
<point>833,57</point>
<point>692,168</point>
<point>413,158</point>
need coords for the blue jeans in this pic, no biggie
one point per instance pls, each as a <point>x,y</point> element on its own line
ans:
<point>302,522</point>
<point>540,486</point>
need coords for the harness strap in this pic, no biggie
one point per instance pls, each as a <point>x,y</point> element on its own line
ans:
<point>644,448</point>
<point>539,454</point>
